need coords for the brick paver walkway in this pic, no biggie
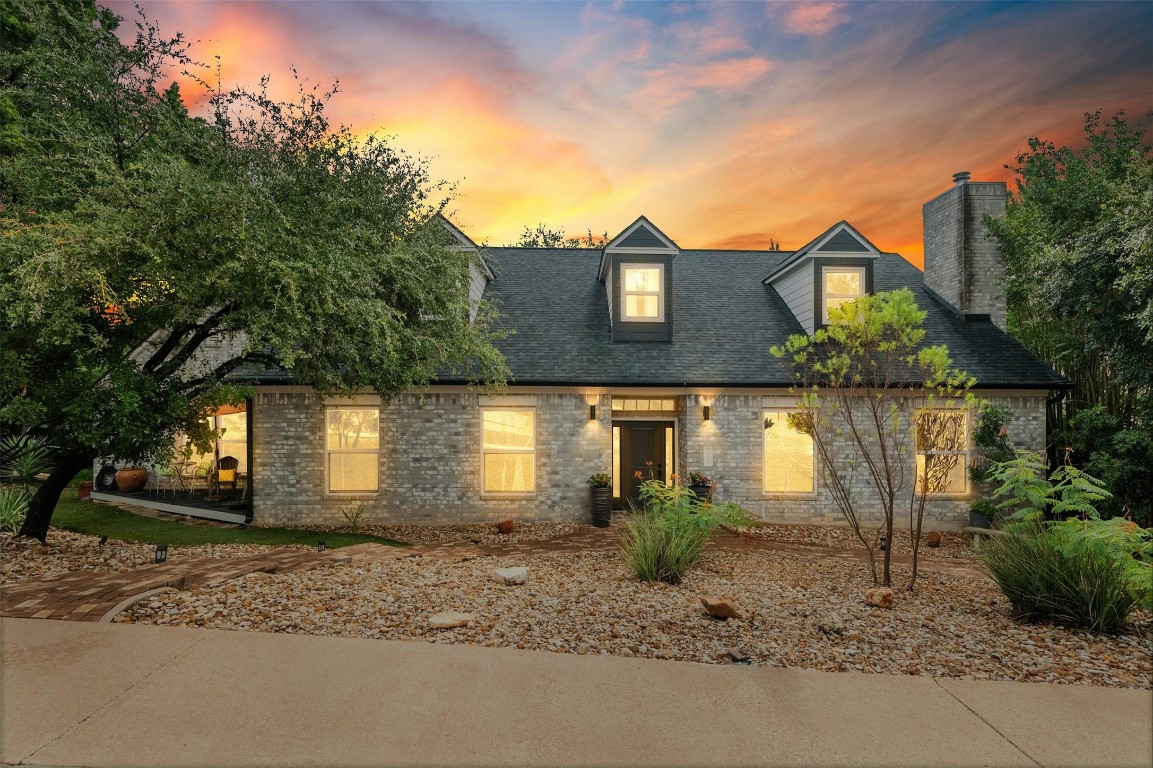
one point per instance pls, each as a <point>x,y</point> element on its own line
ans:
<point>89,596</point>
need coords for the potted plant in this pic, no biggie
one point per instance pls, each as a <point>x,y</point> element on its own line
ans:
<point>601,498</point>
<point>701,485</point>
<point>982,514</point>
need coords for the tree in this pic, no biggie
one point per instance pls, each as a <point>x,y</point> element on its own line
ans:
<point>543,237</point>
<point>884,412</point>
<point>1078,244</point>
<point>134,234</point>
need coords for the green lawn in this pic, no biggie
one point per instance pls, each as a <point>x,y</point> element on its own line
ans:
<point>105,520</point>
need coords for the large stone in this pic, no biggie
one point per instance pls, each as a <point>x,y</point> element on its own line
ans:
<point>505,527</point>
<point>449,619</point>
<point>934,540</point>
<point>512,575</point>
<point>720,608</point>
<point>879,597</point>
<point>832,624</point>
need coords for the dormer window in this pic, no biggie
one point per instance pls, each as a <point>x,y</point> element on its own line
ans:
<point>840,284</point>
<point>642,294</point>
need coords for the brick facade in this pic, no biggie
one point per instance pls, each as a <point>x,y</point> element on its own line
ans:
<point>430,456</point>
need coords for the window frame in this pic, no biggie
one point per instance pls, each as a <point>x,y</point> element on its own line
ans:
<point>659,293</point>
<point>965,453</point>
<point>766,411</point>
<point>825,295</point>
<point>484,452</point>
<point>328,452</point>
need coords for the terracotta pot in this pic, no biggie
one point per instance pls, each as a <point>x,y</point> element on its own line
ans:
<point>84,490</point>
<point>131,480</point>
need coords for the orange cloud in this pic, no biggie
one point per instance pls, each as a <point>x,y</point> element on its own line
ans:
<point>812,18</point>
<point>668,86</point>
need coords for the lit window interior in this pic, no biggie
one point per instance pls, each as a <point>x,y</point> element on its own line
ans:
<point>509,447</point>
<point>353,445</point>
<point>788,456</point>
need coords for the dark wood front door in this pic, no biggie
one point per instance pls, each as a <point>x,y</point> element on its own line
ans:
<point>642,450</point>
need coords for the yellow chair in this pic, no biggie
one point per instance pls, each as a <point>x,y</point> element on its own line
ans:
<point>226,472</point>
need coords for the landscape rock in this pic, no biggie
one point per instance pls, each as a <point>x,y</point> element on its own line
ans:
<point>449,619</point>
<point>832,624</point>
<point>879,597</point>
<point>720,608</point>
<point>739,655</point>
<point>934,540</point>
<point>512,576</point>
<point>505,527</point>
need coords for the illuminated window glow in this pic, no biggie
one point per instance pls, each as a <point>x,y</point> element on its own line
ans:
<point>352,450</point>
<point>789,458</point>
<point>942,451</point>
<point>509,450</point>
<point>841,284</point>
<point>642,293</point>
<point>643,405</point>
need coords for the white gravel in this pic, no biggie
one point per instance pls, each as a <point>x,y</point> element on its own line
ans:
<point>589,603</point>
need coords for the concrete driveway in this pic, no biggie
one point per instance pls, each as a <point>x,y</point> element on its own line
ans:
<point>123,695</point>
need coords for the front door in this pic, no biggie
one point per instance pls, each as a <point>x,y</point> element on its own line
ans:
<point>645,447</point>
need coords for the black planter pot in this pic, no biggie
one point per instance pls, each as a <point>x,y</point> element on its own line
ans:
<point>702,492</point>
<point>602,506</point>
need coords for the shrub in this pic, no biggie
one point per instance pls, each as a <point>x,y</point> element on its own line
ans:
<point>664,540</point>
<point>353,516</point>
<point>13,507</point>
<point>1080,585</point>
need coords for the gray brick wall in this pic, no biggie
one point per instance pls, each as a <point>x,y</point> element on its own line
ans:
<point>430,459</point>
<point>962,264</point>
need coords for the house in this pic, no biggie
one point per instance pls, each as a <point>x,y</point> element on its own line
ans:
<point>641,357</point>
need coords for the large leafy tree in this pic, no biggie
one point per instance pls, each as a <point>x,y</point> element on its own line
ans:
<point>886,413</point>
<point>1078,244</point>
<point>149,258</point>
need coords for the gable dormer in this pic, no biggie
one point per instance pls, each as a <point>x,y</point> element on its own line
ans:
<point>479,275</point>
<point>637,271</point>
<point>834,268</point>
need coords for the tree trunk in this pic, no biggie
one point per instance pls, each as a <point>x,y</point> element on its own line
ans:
<point>43,503</point>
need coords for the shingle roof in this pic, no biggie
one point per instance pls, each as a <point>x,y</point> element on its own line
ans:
<point>724,321</point>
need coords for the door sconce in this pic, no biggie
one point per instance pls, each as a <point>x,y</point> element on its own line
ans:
<point>708,413</point>
<point>592,413</point>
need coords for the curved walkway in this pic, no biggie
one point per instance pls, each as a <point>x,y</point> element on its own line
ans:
<point>89,596</point>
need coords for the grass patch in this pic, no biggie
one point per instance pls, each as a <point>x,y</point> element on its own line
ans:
<point>99,519</point>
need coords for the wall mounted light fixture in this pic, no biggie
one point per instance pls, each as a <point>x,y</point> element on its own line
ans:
<point>592,412</point>
<point>708,413</point>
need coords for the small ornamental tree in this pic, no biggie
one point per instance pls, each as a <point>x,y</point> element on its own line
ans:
<point>884,412</point>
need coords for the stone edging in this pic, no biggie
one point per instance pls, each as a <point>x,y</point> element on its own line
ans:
<point>127,603</point>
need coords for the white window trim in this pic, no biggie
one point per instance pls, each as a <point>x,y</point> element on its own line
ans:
<point>659,293</point>
<point>965,491</point>
<point>363,494</point>
<point>826,296</point>
<point>765,461</point>
<point>484,451</point>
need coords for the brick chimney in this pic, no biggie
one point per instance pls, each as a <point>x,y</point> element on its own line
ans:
<point>962,266</point>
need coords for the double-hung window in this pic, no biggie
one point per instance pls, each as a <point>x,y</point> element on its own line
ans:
<point>840,284</point>
<point>509,450</point>
<point>788,455</point>
<point>942,451</point>
<point>352,450</point>
<point>643,293</point>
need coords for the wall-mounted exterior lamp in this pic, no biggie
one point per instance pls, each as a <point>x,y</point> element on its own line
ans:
<point>161,553</point>
<point>708,413</point>
<point>592,413</point>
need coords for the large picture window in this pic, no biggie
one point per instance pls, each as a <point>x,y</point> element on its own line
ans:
<point>841,284</point>
<point>642,292</point>
<point>509,450</point>
<point>788,455</point>
<point>352,450</point>
<point>942,451</point>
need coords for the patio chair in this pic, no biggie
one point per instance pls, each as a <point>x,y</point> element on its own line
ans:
<point>226,472</point>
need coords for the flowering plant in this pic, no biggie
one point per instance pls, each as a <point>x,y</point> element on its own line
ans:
<point>698,478</point>
<point>601,480</point>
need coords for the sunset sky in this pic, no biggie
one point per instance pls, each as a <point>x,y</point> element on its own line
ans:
<point>725,124</point>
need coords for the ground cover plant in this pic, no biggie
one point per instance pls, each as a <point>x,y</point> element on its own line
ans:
<point>103,520</point>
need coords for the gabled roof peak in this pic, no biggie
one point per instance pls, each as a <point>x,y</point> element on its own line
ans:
<point>839,239</point>
<point>642,233</point>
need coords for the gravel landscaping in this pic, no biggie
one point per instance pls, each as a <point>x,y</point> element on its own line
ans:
<point>797,611</point>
